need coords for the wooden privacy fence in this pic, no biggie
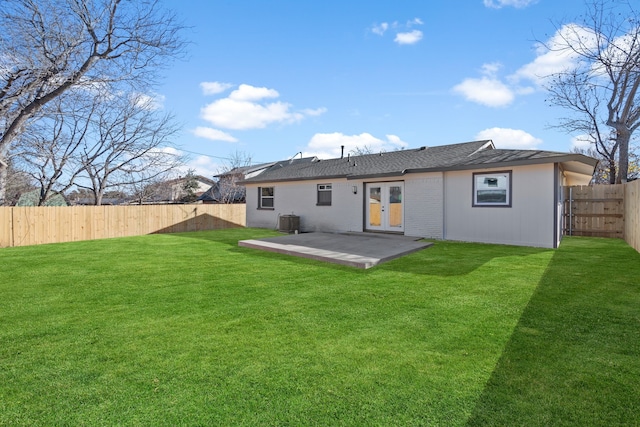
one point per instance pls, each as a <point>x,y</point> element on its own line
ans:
<point>22,226</point>
<point>603,211</point>
<point>594,210</point>
<point>632,214</point>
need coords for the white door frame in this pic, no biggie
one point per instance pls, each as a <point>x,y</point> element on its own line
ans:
<point>384,206</point>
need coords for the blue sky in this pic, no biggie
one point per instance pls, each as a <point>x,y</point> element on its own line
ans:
<point>270,79</point>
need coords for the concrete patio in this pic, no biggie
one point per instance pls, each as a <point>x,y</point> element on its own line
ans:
<point>361,250</point>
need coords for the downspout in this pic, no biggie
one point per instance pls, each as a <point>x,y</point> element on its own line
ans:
<point>557,228</point>
<point>444,210</point>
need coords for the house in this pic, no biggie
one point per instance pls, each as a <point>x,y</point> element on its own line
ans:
<point>178,192</point>
<point>466,192</point>
<point>227,190</point>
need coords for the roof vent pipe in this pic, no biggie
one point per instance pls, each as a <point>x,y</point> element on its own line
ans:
<point>342,153</point>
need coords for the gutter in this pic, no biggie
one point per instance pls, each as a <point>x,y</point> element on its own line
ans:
<point>378,175</point>
<point>307,178</point>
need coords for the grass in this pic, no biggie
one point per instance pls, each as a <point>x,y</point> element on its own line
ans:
<point>190,329</point>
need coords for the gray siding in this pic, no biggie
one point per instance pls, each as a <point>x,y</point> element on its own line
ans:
<point>437,205</point>
<point>300,198</point>
<point>423,210</point>
<point>528,222</point>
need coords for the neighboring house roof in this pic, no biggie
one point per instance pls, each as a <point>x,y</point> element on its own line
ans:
<point>247,172</point>
<point>468,155</point>
<point>244,171</point>
<point>31,198</point>
<point>106,201</point>
<point>229,194</point>
<point>199,178</point>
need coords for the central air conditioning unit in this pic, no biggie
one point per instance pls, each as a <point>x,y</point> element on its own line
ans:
<point>289,223</point>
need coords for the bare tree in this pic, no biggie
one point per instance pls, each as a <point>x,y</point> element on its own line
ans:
<point>150,188</point>
<point>362,151</point>
<point>19,182</point>
<point>128,146</point>
<point>50,149</point>
<point>602,170</point>
<point>601,90</point>
<point>227,189</point>
<point>50,46</point>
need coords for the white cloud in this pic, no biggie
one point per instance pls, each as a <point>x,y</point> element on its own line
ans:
<point>403,32</point>
<point>213,88</point>
<point>317,112</point>
<point>148,102</point>
<point>510,138</point>
<point>380,29</point>
<point>412,37</point>
<point>251,93</point>
<point>245,108</point>
<point>213,134</point>
<point>204,165</point>
<point>491,69</point>
<point>228,113</point>
<point>498,4</point>
<point>486,91</point>
<point>552,56</point>
<point>555,56</point>
<point>582,142</point>
<point>328,145</point>
<point>171,150</point>
<point>201,164</point>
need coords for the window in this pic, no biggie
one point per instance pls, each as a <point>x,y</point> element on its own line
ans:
<point>492,189</point>
<point>265,197</point>
<point>324,194</point>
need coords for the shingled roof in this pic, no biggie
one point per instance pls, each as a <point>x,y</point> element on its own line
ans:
<point>468,155</point>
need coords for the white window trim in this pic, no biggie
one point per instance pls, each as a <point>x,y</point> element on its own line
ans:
<point>494,175</point>
<point>328,188</point>
<point>261,199</point>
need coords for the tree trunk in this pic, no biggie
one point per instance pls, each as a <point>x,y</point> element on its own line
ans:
<point>3,181</point>
<point>612,171</point>
<point>623,155</point>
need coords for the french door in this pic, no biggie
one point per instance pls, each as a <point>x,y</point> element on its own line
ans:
<point>385,210</point>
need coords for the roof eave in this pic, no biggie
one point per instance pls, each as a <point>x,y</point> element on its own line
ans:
<point>377,175</point>
<point>589,162</point>
<point>523,162</point>
<point>311,178</point>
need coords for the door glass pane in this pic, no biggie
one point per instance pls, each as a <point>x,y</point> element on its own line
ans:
<point>375,207</point>
<point>395,206</point>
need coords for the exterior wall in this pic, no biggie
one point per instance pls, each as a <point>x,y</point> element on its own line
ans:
<point>423,205</point>
<point>300,198</point>
<point>528,222</point>
<point>436,205</point>
<point>423,209</point>
<point>559,186</point>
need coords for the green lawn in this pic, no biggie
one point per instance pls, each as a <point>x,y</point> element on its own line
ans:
<point>190,329</point>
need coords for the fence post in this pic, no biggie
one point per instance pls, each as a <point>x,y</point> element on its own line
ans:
<point>13,229</point>
<point>570,211</point>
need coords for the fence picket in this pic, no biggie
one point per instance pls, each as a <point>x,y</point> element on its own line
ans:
<point>604,211</point>
<point>22,226</point>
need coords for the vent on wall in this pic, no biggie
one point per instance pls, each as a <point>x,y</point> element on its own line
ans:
<point>289,223</point>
